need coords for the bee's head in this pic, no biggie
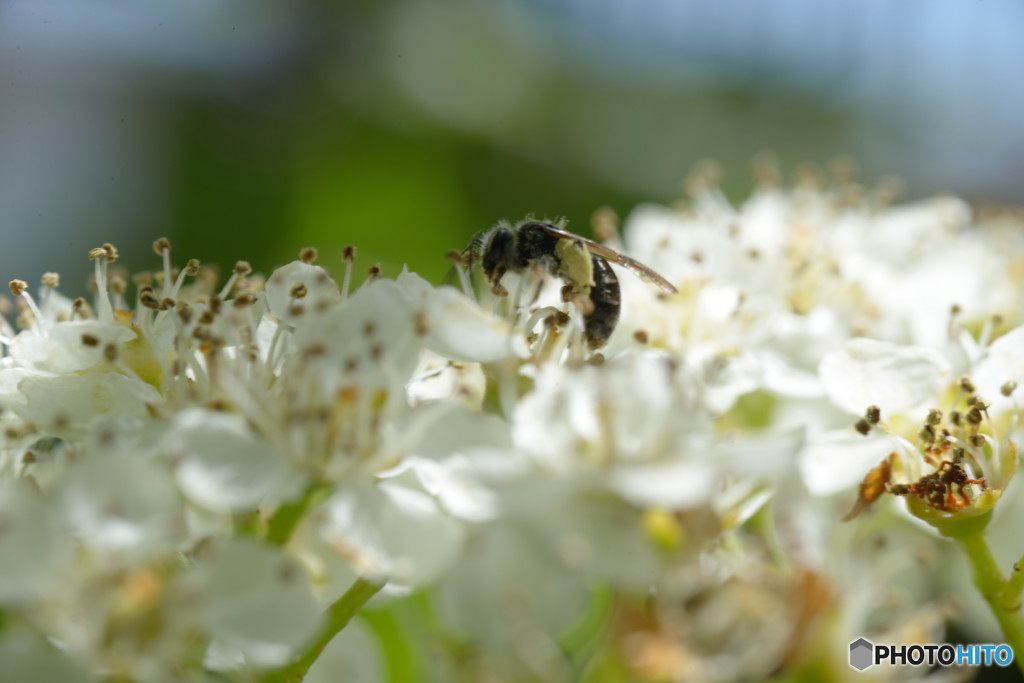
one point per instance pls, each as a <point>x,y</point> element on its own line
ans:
<point>499,250</point>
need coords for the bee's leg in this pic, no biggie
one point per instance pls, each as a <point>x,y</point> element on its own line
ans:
<point>599,323</point>
<point>496,287</point>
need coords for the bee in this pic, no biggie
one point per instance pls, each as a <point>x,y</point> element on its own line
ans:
<point>581,263</point>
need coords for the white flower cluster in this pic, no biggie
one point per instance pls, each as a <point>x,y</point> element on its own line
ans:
<point>188,478</point>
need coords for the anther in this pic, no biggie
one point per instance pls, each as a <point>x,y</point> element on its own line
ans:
<point>148,299</point>
<point>605,222</point>
<point>162,245</point>
<point>111,250</point>
<point>118,285</point>
<point>421,324</point>
<point>18,287</point>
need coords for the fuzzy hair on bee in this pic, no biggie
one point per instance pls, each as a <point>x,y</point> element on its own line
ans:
<point>581,263</point>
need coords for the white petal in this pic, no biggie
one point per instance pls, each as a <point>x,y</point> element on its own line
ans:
<point>368,341</point>
<point>510,581</point>
<point>415,287</point>
<point>895,378</point>
<point>603,538</point>
<point>436,378</point>
<point>67,405</point>
<point>676,485</point>
<point>321,290</point>
<point>28,656</point>
<point>838,460</point>
<point>454,487</point>
<point>10,380</point>
<point>33,547</point>
<point>391,531</point>
<point>122,504</point>
<point>355,651</point>
<point>459,329</point>
<point>257,600</point>
<point>62,350</point>
<point>761,458</point>
<point>1003,361</point>
<point>226,467</point>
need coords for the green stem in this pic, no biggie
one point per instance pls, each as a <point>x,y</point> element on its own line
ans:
<point>288,516</point>
<point>337,616</point>
<point>1014,587</point>
<point>989,579</point>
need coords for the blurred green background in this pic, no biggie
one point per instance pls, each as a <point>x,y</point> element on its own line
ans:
<point>246,129</point>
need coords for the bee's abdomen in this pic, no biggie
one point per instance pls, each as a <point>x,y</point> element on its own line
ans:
<point>600,323</point>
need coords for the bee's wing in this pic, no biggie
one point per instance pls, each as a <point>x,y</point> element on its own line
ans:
<point>632,265</point>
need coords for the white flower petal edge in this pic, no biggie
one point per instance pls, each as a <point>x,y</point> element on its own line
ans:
<point>895,378</point>
<point>1003,362</point>
<point>391,530</point>
<point>227,467</point>
<point>265,632</point>
<point>838,460</point>
<point>459,329</point>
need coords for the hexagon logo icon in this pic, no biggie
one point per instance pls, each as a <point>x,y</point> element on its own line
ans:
<point>861,654</point>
